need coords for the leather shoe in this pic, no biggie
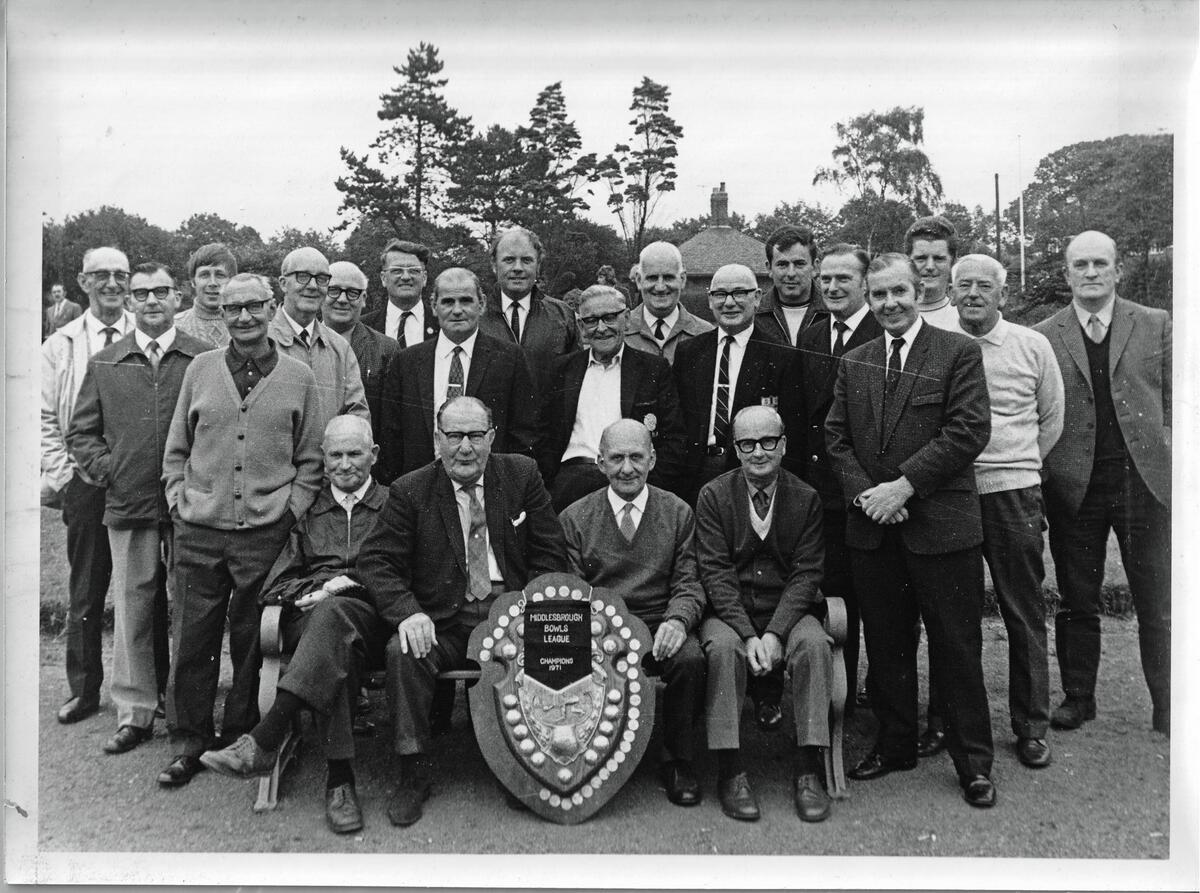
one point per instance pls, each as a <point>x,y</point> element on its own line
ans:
<point>812,800</point>
<point>1033,752</point>
<point>342,812</point>
<point>404,808</point>
<point>875,766</point>
<point>242,759</point>
<point>182,769</point>
<point>683,788</point>
<point>737,798</point>
<point>931,742</point>
<point>76,709</point>
<point>1073,712</point>
<point>979,791</point>
<point>768,715</point>
<point>127,738</point>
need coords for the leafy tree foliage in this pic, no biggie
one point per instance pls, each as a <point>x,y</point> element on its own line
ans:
<point>556,168</point>
<point>201,229</point>
<point>877,225</point>
<point>490,189</point>
<point>815,217</point>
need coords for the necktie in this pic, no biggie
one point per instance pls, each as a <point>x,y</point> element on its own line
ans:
<point>839,341</point>
<point>1095,329</point>
<point>893,369</point>
<point>627,528</point>
<point>762,502</point>
<point>110,335</point>
<point>660,331</point>
<point>721,419</point>
<point>303,336</point>
<point>401,335</point>
<point>153,350</point>
<point>514,320</point>
<point>454,387</point>
<point>479,584</point>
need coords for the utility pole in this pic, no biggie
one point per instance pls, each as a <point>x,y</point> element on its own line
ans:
<point>997,216</point>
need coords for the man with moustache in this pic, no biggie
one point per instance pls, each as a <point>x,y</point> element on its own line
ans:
<point>209,268</point>
<point>117,436</point>
<point>405,317</point>
<point>1110,470</point>
<point>910,414</point>
<point>105,280</point>
<point>60,312</point>
<point>932,245</point>
<point>661,324</point>
<point>792,304</point>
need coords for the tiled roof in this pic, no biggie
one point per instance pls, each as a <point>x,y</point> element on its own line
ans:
<point>712,248</point>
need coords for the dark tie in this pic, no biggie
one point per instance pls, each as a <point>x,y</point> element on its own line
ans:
<point>455,382</point>
<point>400,334</point>
<point>721,419</point>
<point>479,585</point>
<point>153,350</point>
<point>839,341</point>
<point>893,369</point>
<point>660,330</point>
<point>515,321</point>
<point>762,503</point>
<point>110,335</point>
<point>627,528</point>
<point>303,336</point>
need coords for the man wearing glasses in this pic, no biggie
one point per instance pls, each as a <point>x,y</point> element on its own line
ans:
<point>759,554</point>
<point>304,280</point>
<point>341,312</point>
<point>591,390</point>
<point>242,464</point>
<point>117,436</point>
<point>209,268</point>
<point>105,280</point>
<point>406,317</point>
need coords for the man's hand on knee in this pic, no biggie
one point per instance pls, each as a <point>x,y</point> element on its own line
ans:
<point>763,653</point>
<point>417,635</point>
<point>668,639</point>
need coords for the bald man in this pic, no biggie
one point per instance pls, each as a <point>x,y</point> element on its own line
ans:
<point>304,280</point>
<point>661,324</point>
<point>461,361</point>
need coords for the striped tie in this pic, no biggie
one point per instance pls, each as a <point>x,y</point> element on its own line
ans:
<point>721,420</point>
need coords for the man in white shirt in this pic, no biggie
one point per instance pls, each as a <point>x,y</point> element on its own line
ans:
<point>661,323</point>
<point>793,302</point>
<point>406,316</point>
<point>932,244</point>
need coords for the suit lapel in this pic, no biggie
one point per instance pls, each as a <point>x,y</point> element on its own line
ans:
<point>1072,336</point>
<point>449,510</point>
<point>572,384</point>
<point>496,509</point>
<point>628,384</point>
<point>1119,332</point>
<point>876,370</point>
<point>908,377</point>
<point>425,390</point>
<point>480,360</point>
<point>749,375</point>
<point>703,381</point>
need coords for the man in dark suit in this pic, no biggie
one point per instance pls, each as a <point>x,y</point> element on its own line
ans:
<point>910,414</point>
<point>60,312</point>
<point>793,303</point>
<point>542,326</point>
<point>591,390</point>
<point>461,360</point>
<point>849,325</point>
<point>405,317</point>
<point>1110,470</point>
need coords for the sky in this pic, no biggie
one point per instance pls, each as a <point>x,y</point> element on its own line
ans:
<point>170,109</point>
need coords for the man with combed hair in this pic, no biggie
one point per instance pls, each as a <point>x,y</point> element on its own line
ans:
<point>105,280</point>
<point>406,317</point>
<point>661,323</point>
<point>910,414</point>
<point>758,547</point>
<point>242,465</point>
<point>1110,470</point>
<point>932,245</point>
<point>637,540</point>
<point>209,268</point>
<point>313,567</point>
<point>60,312</point>
<point>793,302</point>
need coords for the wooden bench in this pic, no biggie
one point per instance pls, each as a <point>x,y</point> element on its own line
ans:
<point>274,662</point>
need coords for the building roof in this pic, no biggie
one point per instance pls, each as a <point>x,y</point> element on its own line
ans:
<point>712,248</point>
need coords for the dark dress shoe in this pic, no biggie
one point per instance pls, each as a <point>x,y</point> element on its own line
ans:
<point>342,812</point>
<point>931,742</point>
<point>182,769</point>
<point>76,709</point>
<point>1033,752</point>
<point>127,738</point>
<point>404,808</point>
<point>768,715</point>
<point>875,766</point>
<point>812,800</point>
<point>737,798</point>
<point>683,788</point>
<point>242,759</point>
<point>1073,712</point>
<point>980,792</point>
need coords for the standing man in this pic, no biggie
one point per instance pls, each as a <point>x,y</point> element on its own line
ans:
<point>661,324</point>
<point>242,465</point>
<point>932,245</point>
<point>758,547</point>
<point>304,281</point>
<point>849,325</point>
<point>792,304</point>
<point>60,312</point>
<point>461,361</point>
<point>542,326</point>
<point>209,268</point>
<point>1026,393</point>
<point>593,389</point>
<point>340,311</point>
<point>105,280</point>
<point>118,434</point>
<point>637,540</point>
<point>910,414</point>
<point>1111,470</point>
<point>405,317</point>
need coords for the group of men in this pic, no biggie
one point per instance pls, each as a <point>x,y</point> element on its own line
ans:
<point>870,429</point>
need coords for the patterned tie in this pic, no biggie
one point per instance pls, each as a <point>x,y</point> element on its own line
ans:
<point>401,334</point>
<point>479,584</point>
<point>762,503</point>
<point>721,419</point>
<point>893,369</point>
<point>839,342</point>
<point>155,358</point>
<point>303,336</point>
<point>660,331</point>
<point>514,320</point>
<point>110,335</point>
<point>454,387</point>
<point>627,528</point>
<point>1095,329</point>
<point>348,502</point>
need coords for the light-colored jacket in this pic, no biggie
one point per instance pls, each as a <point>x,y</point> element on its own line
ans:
<point>64,363</point>
<point>687,326</point>
<point>332,360</point>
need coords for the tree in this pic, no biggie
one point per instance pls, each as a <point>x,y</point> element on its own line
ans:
<point>976,231</point>
<point>490,187</point>
<point>201,229</point>
<point>878,226</point>
<point>639,173</point>
<point>63,247</point>
<point>815,217</point>
<point>555,166</point>
<point>406,187</point>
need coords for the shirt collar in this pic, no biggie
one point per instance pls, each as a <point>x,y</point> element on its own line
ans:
<point>458,488</point>
<point>417,310</point>
<point>201,313</point>
<point>739,339</point>
<point>95,327</point>
<point>445,347</point>
<point>1104,314</point>
<point>853,322</point>
<point>617,503</point>
<point>311,328</point>
<point>165,340</point>
<point>669,320</point>
<point>524,303</point>
<point>339,494</point>
<point>996,336</point>
<point>615,361</point>
<point>909,337</point>
<point>752,488</point>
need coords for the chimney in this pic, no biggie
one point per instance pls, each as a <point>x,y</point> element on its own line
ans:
<point>720,206</point>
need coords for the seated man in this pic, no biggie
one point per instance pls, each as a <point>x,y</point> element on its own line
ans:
<point>426,592</point>
<point>759,552</point>
<point>637,540</point>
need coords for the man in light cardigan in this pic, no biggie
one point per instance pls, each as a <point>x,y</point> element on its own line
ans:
<point>1025,387</point>
<point>242,464</point>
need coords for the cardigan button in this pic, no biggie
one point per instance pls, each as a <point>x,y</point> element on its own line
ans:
<point>241,437</point>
